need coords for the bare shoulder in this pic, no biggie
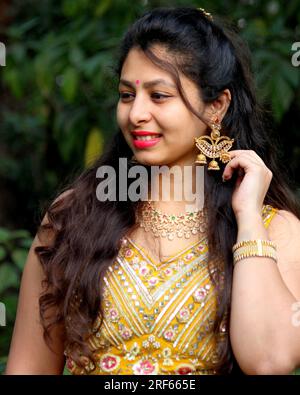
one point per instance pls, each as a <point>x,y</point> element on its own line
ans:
<point>284,230</point>
<point>284,225</point>
<point>29,354</point>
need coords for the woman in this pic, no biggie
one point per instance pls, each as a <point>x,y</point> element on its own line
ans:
<point>118,295</point>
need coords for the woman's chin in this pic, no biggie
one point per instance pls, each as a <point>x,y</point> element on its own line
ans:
<point>150,158</point>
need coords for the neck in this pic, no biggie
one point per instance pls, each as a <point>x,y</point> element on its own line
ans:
<point>178,188</point>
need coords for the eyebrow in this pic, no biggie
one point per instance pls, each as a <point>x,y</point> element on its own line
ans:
<point>149,84</point>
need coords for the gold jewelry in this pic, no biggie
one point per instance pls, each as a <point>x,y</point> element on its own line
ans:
<point>248,248</point>
<point>207,14</point>
<point>170,225</point>
<point>213,147</point>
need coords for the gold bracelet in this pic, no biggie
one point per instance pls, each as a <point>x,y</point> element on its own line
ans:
<point>251,248</point>
<point>257,242</point>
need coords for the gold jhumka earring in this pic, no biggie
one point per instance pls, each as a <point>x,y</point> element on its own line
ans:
<point>213,147</point>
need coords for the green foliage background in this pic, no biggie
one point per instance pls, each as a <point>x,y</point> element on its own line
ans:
<point>59,93</point>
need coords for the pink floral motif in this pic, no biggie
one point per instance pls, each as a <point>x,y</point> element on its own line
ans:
<point>113,314</point>
<point>144,270</point>
<point>152,281</point>
<point>183,315</point>
<point>168,272</point>
<point>199,294</point>
<point>126,333</point>
<point>128,252</point>
<point>169,334</point>
<point>200,247</point>
<point>109,362</point>
<point>189,256</point>
<point>145,367</point>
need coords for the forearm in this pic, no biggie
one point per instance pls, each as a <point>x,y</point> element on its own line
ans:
<point>260,326</point>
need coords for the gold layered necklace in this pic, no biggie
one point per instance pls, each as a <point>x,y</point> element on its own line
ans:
<point>170,225</point>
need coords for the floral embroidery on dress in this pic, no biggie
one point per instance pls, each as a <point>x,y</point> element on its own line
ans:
<point>199,294</point>
<point>113,315</point>
<point>168,272</point>
<point>144,270</point>
<point>133,352</point>
<point>189,256</point>
<point>166,354</point>
<point>158,319</point>
<point>183,315</point>
<point>170,334</point>
<point>185,368</point>
<point>109,362</point>
<point>128,253</point>
<point>126,333</point>
<point>153,281</point>
<point>145,367</point>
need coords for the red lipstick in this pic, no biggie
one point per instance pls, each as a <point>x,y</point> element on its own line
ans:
<point>144,133</point>
<point>145,143</point>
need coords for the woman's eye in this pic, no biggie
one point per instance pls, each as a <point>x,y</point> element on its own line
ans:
<point>156,96</point>
<point>124,95</point>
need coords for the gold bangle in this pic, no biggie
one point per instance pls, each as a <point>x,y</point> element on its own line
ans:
<point>246,254</point>
<point>252,248</point>
<point>258,242</point>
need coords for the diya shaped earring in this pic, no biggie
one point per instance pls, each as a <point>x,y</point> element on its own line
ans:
<point>213,147</point>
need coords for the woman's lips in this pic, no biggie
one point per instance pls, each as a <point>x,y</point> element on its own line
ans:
<point>145,143</point>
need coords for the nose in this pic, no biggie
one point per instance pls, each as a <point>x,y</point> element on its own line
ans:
<point>139,111</point>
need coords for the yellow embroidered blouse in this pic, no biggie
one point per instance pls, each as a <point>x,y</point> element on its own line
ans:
<point>158,318</point>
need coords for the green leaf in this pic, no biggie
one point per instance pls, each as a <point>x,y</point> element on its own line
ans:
<point>70,84</point>
<point>18,52</point>
<point>102,7</point>
<point>20,233</point>
<point>76,56</point>
<point>291,74</point>
<point>11,303</point>
<point>19,257</point>
<point>18,30</point>
<point>8,277</point>
<point>26,243</point>
<point>4,235</point>
<point>282,95</point>
<point>2,253</point>
<point>12,77</point>
<point>93,65</point>
<point>94,146</point>
<point>67,137</point>
<point>3,361</point>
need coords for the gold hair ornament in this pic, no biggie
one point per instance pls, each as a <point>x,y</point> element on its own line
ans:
<point>207,14</point>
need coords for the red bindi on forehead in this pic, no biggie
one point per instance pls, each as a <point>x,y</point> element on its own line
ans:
<point>137,82</point>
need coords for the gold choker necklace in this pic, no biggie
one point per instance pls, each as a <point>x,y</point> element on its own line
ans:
<point>170,225</point>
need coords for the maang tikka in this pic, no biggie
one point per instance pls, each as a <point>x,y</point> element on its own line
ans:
<point>213,147</point>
